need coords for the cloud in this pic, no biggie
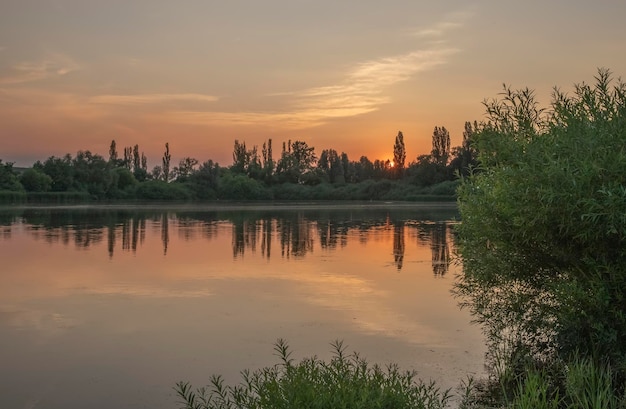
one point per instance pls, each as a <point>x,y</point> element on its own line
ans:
<point>451,22</point>
<point>54,65</point>
<point>363,90</point>
<point>142,99</point>
<point>25,102</point>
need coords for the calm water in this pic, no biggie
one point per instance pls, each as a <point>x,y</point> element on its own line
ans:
<point>107,307</point>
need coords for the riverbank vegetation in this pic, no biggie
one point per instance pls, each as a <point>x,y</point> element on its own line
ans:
<point>298,174</point>
<point>543,244</point>
<point>347,381</point>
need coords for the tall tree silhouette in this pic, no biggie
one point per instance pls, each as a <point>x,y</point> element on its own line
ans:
<point>399,155</point>
<point>113,153</point>
<point>166,163</point>
<point>441,145</point>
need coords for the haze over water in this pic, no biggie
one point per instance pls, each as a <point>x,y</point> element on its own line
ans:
<point>109,306</point>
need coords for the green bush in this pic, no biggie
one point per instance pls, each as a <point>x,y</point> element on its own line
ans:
<point>347,381</point>
<point>160,190</point>
<point>35,180</point>
<point>543,232</point>
<point>241,187</point>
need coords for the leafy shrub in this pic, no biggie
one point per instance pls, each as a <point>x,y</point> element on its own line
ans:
<point>347,381</point>
<point>241,187</point>
<point>160,190</point>
<point>543,232</point>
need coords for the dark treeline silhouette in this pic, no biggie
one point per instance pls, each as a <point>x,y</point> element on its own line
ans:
<point>297,173</point>
<point>285,233</point>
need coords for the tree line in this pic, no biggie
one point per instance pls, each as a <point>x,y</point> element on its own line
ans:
<point>298,172</point>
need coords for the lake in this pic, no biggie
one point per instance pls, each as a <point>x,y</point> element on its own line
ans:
<point>110,306</point>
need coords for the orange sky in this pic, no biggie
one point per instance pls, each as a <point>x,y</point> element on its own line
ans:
<point>75,74</point>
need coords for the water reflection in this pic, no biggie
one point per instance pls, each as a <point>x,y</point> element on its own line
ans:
<point>440,249</point>
<point>119,303</point>
<point>296,233</point>
<point>398,245</point>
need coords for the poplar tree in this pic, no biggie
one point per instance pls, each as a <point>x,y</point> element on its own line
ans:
<point>166,163</point>
<point>128,154</point>
<point>399,155</point>
<point>441,145</point>
<point>113,152</point>
<point>136,159</point>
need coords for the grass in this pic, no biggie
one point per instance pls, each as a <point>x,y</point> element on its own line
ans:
<point>347,381</point>
<point>580,383</point>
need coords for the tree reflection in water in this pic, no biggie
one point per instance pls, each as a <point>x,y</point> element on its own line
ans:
<point>296,232</point>
<point>398,245</point>
<point>440,249</point>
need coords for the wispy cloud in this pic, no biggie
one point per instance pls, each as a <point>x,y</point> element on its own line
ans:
<point>365,86</point>
<point>27,101</point>
<point>451,22</point>
<point>54,65</point>
<point>364,89</point>
<point>142,99</point>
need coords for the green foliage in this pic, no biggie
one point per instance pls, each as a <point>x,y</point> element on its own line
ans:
<point>241,187</point>
<point>464,161</point>
<point>124,178</point>
<point>533,393</point>
<point>544,225</point>
<point>347,381</point>
<point>580,383</point>
<point>205,182</point>
<point>34,180</point>
<point>298,175</point>
<point>295,162</point>
<point>427,171</point>
<point>590,385</point>
<point>93,174</point>
<point>60,170</point>
<point>8,178</point>
<point>160,190</point>
<point>441,146</point>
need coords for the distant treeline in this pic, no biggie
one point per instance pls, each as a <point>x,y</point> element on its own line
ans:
<point>298,174</point>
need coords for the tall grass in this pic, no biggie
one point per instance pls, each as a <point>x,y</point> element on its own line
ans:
<point>581,383</point>
<point>347,381</point>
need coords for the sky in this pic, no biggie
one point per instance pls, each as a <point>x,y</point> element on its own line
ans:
<point>342,74</point>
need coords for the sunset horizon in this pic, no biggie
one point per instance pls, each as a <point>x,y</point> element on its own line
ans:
<point>76,75</point>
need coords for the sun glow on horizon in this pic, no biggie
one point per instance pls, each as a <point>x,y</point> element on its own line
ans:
<point>371,71</point>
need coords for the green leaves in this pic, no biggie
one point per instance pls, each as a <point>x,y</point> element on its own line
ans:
<point>347,381</point>
<point>543,233</point>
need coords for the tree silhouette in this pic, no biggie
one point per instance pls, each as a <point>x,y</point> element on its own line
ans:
<point>166,163</point>
<point>441,145</point>
<point>399,155</point>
